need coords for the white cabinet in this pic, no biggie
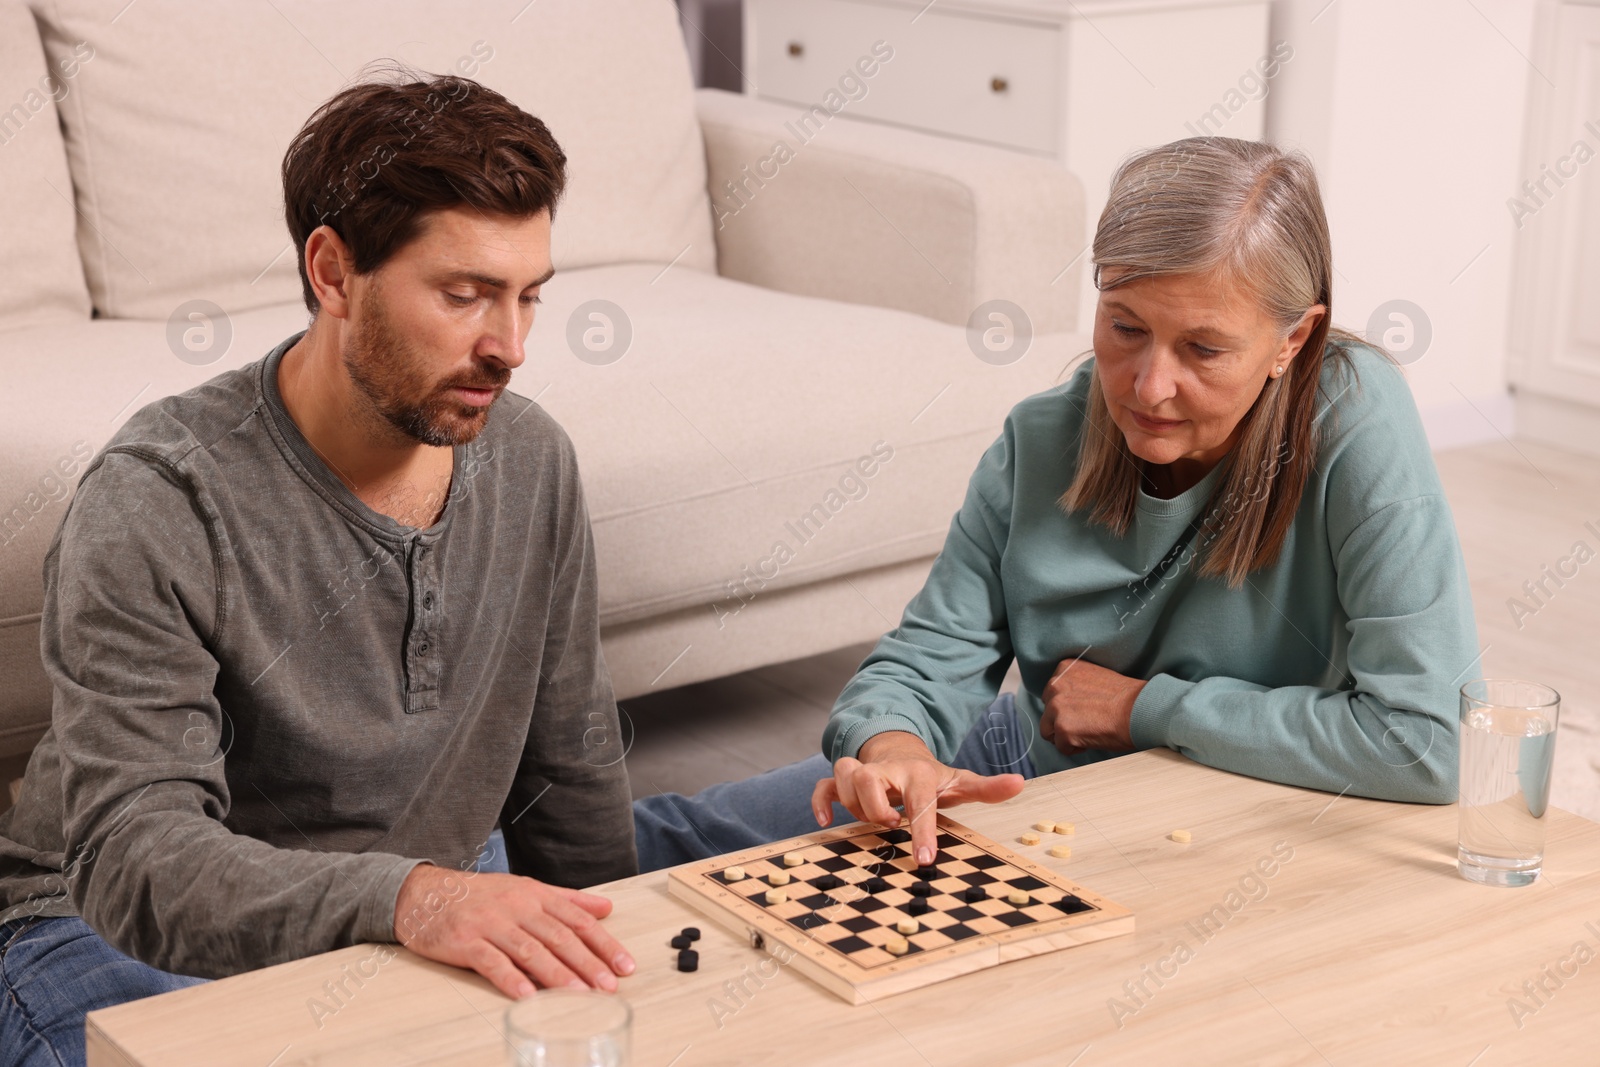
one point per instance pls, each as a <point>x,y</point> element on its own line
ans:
<point>1555,333</point>
<point>1084,82</point>
<point>988,79</point>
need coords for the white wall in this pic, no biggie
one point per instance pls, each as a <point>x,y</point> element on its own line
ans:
<point>1413,111</point>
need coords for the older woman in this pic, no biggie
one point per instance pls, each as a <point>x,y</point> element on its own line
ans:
<point>1224,535</point>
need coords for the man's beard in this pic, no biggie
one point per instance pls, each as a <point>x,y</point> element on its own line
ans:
<point>390,373</point>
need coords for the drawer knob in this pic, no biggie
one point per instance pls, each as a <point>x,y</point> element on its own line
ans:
<point>999,85</point>
<point>796,48</point>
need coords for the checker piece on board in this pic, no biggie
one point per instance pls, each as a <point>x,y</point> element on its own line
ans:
<point>864,921</point>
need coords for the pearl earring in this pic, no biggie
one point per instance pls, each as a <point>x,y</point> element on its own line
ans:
<point>1277,372</point>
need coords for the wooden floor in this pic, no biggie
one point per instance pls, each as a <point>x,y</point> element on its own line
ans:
<point>1517,508</point>
<point>1520,508</point>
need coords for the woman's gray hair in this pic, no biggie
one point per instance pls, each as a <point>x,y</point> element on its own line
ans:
<point>1250,215</point>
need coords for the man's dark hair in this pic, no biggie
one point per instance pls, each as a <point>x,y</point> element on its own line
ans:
<point>377,156</point>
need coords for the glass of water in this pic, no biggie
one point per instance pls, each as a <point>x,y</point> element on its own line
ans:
<point>1508,746</point>
<point>569,1028</point>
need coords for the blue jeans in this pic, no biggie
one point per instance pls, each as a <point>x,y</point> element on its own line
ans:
<point>52,972</point>
<point>55,970</point>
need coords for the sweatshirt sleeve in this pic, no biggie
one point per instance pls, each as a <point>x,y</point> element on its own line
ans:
<point>935,673</point>
<point>1392,732</point>
<point>130,600</point>
<point>568,818</point>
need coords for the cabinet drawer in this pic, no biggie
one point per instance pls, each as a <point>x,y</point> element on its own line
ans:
<point>968,76</point>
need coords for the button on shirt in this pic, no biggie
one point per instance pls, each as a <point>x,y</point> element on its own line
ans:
<point>271,701</point>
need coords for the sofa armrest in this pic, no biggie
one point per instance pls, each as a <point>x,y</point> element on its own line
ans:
<point>874,214</point>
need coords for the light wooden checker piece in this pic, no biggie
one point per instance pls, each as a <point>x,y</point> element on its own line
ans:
<point>838,936</point>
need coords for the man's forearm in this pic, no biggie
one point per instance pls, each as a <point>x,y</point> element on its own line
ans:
<point>179,892</point>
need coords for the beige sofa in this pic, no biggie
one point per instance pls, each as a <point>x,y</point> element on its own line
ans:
<point>773,460</point>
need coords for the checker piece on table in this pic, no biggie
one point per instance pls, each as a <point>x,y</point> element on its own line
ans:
<point>865,921</point>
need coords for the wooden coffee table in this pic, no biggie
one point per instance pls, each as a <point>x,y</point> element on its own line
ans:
<point>1296,927</point>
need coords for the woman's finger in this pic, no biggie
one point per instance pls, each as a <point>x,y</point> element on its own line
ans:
<point>844,776</point>
<point>984,789</point>
<point>871,791</point>
<point>1056,675</point>
<point>921,794</point>
<point>822,798</point>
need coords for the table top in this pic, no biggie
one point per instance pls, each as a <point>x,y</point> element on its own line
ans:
<point>1297,927</point>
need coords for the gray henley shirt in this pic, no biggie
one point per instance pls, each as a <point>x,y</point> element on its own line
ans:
<point>271,702</point>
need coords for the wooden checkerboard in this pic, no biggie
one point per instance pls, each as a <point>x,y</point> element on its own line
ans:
<point>855,883</point>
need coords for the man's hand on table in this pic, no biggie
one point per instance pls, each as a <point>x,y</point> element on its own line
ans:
<point>897,768</point>
<point>1087,706</point>
<point>510,929</point>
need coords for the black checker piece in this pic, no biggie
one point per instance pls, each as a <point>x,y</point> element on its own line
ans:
<point>917,906</point>
<point>827,882</point>
<point>1072,905</point>
<point>896,836</point>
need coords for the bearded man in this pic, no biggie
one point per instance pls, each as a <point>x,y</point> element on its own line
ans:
<point>316,626</point>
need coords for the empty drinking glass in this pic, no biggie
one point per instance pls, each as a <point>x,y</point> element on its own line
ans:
<point>569,1028</point>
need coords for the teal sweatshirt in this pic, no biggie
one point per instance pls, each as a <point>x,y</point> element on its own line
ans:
<point>1336,668</point>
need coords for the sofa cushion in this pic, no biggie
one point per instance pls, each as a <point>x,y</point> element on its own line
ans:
<point>178,128</point>
<point>749,440</point>
<point>41,276</point>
